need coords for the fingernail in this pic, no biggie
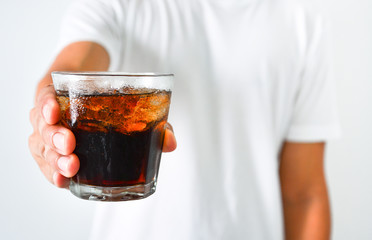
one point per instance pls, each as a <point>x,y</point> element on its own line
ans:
<point>168,126</point>
<point>46,111</point>
<point>63,163</point>
<point>59,141</point>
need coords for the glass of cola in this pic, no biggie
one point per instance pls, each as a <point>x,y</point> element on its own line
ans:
<point>118,120</point>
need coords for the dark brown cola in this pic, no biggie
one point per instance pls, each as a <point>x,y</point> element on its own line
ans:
<point>118,135</point>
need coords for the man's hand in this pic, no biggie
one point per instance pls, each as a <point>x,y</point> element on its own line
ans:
<point>51,144</point>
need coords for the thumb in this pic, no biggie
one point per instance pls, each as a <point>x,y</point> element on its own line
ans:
<point>170,143</point>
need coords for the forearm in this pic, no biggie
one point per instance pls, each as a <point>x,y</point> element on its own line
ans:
<point>304,191</point>
<point>79,56</point>
<point>307,218</point>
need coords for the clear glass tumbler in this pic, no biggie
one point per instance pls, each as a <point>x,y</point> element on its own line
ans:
<point>118,120</point>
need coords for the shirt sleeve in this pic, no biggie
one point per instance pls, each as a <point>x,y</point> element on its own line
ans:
<point>315,115</point>
<point>95,21</point>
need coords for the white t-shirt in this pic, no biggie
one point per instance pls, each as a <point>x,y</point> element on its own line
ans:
<point>249,74</point>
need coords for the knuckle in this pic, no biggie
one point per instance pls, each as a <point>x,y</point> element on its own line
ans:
<point>34,145</point>
<point>49,110</point>
<point>41,150</point>
<point>40,125</point>
<point>43,157</point>
<point>46,93</point>
<point>35,148</point>
<point>41,163</point>
<point>49,172</point>
<point>47,132</point>
<point>51,157</point>
<point>45,151</point>
<point>34,117</point>
<point>42,133</point>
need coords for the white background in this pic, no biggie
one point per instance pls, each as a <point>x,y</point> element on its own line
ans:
<point>31,208</point>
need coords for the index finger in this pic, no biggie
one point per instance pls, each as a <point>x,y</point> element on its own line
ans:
<point>48,106</point>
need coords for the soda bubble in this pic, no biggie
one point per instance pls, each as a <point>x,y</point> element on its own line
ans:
<point>118,134</point>
<point>126,110</point>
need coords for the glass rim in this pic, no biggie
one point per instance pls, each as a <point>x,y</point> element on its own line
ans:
<point>112,74</point>
<point>90,81</point>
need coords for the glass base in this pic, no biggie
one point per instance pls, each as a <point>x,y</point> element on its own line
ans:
<point>112,194</point>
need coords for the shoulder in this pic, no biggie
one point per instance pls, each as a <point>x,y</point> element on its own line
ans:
<point>304,16</point>
<point>98,5</point>
<point>311,10</point>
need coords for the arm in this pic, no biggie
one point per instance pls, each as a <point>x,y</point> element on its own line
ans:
<point>52,145</point>
<point>79,56</point>
<point>304,191</point>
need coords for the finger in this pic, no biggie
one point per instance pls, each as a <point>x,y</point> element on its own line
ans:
<point>46,111</point>
<point>170,143</point>
<point>48,105</point>
<point>37,148</point>
<point>48,142</point>
<point>60,139</point>
<point>67,166</point>
<point>60,181</point>
<point>53,165</point>
<point>34,118</point>
<point>51,111</point>
<point>47,90</point>
<point>55,136</point>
